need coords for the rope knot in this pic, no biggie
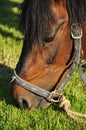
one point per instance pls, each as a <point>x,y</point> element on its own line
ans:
<point>65,103</point>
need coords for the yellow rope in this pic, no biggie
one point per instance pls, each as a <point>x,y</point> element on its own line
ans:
<point>65,104</point>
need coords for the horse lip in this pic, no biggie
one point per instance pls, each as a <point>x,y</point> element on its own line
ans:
<point>43,104</point>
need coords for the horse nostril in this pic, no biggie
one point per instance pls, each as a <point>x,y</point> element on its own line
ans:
<point>23,103</point>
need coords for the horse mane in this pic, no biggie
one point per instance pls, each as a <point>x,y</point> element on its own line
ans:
<point>76,10</point>
<point>36,16</point>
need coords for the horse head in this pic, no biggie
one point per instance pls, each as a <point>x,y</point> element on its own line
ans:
<point>47,51</point>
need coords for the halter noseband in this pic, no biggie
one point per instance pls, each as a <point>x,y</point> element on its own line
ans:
<point>76,33</point>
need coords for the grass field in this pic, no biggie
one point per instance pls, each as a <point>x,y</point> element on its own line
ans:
<point>11,117</point>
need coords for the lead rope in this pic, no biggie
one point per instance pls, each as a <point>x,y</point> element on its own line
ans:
<point>65,104</point>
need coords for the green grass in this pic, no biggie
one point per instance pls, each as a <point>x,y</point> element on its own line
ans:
<point>11,117</point>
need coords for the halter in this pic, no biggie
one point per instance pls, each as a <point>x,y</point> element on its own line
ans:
<point>76,34</point>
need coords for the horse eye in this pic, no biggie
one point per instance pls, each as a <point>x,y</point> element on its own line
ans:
<point>49,39</point>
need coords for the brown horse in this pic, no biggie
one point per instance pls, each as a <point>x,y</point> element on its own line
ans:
<point>48,50</point>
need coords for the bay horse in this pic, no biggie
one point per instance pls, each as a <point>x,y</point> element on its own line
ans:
<point>49,54</point>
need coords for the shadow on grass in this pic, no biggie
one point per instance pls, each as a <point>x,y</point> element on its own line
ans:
<point>9,34</point>
<point>5,85</point>
<point>8,17</point>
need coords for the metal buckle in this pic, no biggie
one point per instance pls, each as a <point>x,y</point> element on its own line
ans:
<point>76,31</point>
<point>56,97</point>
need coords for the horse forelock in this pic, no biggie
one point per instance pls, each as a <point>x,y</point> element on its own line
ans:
<point>35,17</point>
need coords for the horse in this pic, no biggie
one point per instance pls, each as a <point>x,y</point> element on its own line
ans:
<point>49,56</point>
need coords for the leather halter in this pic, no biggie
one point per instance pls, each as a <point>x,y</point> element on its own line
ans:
<point>76,34</point>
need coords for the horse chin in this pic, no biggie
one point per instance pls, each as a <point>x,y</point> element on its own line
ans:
<point>44,104</point>
<point>41,104</point>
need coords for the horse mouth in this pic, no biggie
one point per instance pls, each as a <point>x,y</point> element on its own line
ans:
<point>24,103</point>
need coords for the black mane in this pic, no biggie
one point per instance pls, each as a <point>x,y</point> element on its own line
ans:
<point>76,10</point>
<point>35,16</point>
